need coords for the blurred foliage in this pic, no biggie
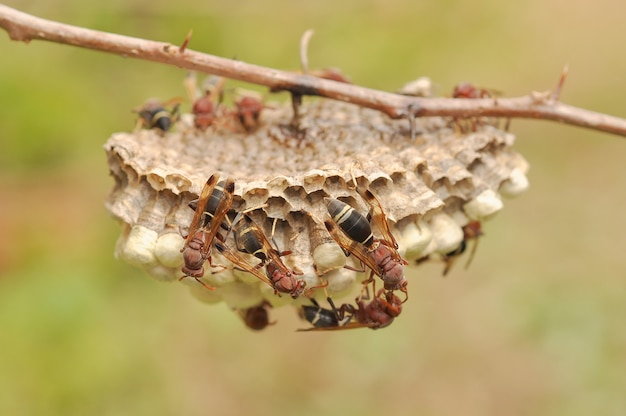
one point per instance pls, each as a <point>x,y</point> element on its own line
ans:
<point>534,327</point>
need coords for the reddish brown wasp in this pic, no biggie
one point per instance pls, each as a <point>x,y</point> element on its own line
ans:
<point>471,231</point>
<point>248,112</point>
<point>467,90</point>
<point>155,114</point>
<point>205,107</point>
<point>378,313</point>
<point>353,232</point>
<point>249,238</point>
<point>211,210</point>
<point>256,317</point>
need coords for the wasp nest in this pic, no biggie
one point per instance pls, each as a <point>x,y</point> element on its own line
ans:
<point>430,182</point>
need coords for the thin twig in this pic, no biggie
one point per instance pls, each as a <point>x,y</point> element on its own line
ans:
<point>23,27</point>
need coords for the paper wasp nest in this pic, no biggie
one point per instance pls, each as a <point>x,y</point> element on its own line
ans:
<point>429,185</point>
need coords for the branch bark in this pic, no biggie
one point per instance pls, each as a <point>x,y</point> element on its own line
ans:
<point>24,27</point>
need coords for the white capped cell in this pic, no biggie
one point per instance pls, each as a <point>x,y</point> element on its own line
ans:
<point>447,234</point>
<point>483,206</point>
<point>167,250</point>
<point>138,248</point>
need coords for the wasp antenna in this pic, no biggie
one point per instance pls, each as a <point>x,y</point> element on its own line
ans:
<point>204,284</point>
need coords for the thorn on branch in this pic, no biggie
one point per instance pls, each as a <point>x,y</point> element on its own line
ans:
<point>182,47</point>
<point>304,50</point>
<point>556,94</point>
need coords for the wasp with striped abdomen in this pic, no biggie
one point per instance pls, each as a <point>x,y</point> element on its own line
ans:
<point>353,232</point>
<point>211,210</point>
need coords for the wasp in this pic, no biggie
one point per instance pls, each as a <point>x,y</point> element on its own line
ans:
<point>205,107</point>
<point>249,238</point>
<point>378,313</point>
<point>211,210</point>
<point>353,232</point>
<point>248,112</point>
<point>256,317</point>
<point>155,114</point>
<point>467,90</point>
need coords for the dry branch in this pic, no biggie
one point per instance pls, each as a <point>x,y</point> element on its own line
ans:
<point>24,27</point>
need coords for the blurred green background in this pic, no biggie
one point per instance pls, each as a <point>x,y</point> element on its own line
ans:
<point>535,327</point>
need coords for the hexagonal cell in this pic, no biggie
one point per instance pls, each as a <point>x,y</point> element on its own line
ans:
<point>156,179</point>
<point>398,178</point>
<point>278,207</point>
<point>313,180</point>
<point>423,174</point>
<point>278,183</point>
<point>296,196</point>
<point>379,182</point>
<point>255,197</point>
<point>460,188</point>
<point>177,182</point>
<point>316,198</point>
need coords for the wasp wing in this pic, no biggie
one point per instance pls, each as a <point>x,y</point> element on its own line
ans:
<point>349,325</point>
<point>201,205</point>
<point>272,253</point>
<point>240,262</point>
<point>378,216</point>
<point>221,210</point>
<point>350,246</point>
<point>380,220</point>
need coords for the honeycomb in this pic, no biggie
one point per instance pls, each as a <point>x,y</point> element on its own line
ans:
<point>430,183</point>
